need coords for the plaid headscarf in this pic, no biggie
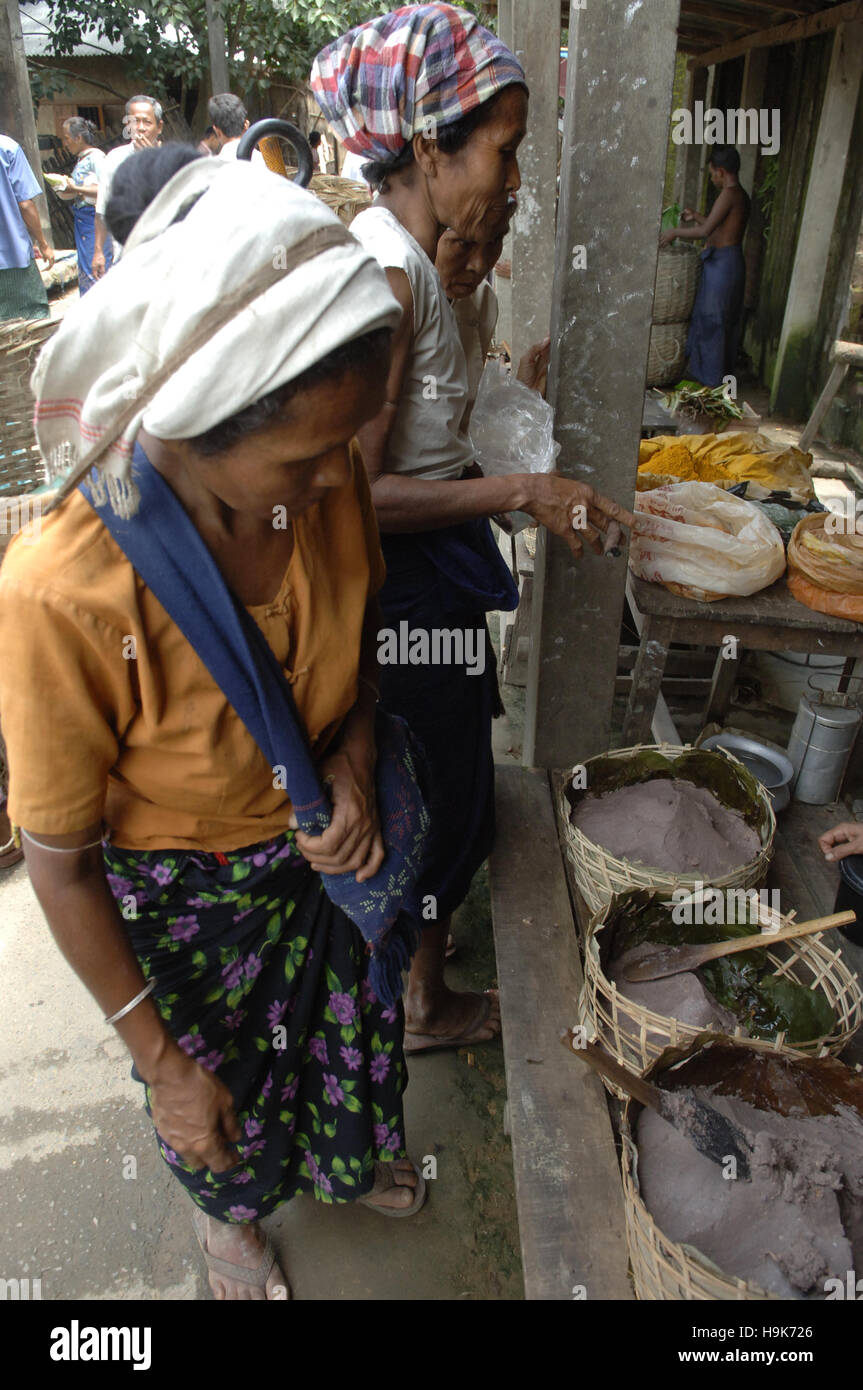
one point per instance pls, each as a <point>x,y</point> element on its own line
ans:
<point>382,81</point>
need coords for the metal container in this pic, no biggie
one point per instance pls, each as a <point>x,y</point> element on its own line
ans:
<point>771,767</point>
<point>820,745</point>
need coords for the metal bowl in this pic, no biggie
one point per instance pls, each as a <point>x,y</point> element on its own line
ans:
<point>772,768</point>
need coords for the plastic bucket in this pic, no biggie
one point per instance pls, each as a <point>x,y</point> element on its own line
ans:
<point>850,896</point>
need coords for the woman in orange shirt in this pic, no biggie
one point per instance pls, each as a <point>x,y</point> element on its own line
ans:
<point>233,375</point>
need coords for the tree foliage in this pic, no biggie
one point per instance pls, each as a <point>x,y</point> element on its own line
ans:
<point>165,41</point>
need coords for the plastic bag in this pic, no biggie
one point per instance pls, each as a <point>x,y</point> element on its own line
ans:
<point>511,432</point>
<point>832,559</point>
<point>702,543</point>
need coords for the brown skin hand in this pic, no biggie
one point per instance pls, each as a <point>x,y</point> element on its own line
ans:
<point>30,218</point>
<point>230,497</point>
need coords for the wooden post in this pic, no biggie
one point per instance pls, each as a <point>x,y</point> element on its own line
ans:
<point>686,164</point>
<point>218,48</point>
<point>797,340</point>
<point>705,149</point>
<point>536,23</point>
<point>16,104</point>
<point>618,102</point>
<point>751,97</point>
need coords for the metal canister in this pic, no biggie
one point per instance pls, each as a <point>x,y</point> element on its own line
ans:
<point>820,745</point>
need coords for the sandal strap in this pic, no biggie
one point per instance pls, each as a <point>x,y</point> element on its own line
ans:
<point>242,1273</point>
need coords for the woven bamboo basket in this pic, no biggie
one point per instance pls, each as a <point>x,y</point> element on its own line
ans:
<point>636,1036</point>
<point>346,197</point>
<point>599,874</point>
<point>677,269</point>
<point>20,464</point>
<point>664,1269</point>
<point>666,354</point>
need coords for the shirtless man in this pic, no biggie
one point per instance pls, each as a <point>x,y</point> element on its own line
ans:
<point>713,331</point>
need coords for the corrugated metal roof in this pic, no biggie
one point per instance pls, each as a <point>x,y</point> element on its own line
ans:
<point>36,28</point>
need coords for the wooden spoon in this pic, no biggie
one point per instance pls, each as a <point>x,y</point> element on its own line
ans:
<point>675,959</point>
<point>711,1133</point>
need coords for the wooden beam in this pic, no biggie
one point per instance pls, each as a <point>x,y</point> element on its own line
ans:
<point>722,17</point>
<point>536,44</point>
<point>618,107</point>
<point>808,28</point>
<point>797,339</point>
<point>567,1176</point>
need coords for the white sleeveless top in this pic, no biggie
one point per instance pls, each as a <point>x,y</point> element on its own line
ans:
<point>425,441</point>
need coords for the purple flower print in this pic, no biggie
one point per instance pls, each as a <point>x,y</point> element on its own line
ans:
<point>253,1128</point>
<point>242,1177</point>
<point>351,1056</point>
<point>184,928</point>
<point>254,1148</point>
<point>318,1049</point>
<point>344,1007</point>
<point>380,1066</point>
<point>313,1168</point>
<point>367,994</point>
<point>290,1091</point>
<point>394,1142</point>
<point>381,1133</point>
<point>241,1213</point>
<point>168,1154</point>
<point>212,1060</point>
<point>161,873</point>
<point>389,1015</point>
<point>119,886</point>
<point>191,1043</point>
<point>332,1090</point>
<point>238,916</point>
<point>267,1086</point>
<point>233,1020</point>
<point>276,1012</point>
<point>253,967</point>
<point>259,860</point>
<point>197,902</point>
<point>232,973</point>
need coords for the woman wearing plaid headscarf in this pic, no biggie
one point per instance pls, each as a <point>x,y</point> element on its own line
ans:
<point>438,106</point>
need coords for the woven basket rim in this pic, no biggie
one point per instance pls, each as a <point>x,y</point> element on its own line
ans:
<point>631,1022</point>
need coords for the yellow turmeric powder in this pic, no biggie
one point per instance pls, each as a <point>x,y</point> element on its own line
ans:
<point>676,461</point>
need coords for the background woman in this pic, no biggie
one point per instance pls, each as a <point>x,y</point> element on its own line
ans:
<point>81,189</point>
<point>158,838</point>
<point>438,105</point>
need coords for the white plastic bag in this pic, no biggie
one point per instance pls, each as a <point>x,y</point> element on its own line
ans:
<point>704,543</point>
<point>511,431</point>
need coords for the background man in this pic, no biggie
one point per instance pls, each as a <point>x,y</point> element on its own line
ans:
<point>229,118</point>
<point>22,294</point>
<point>714,328</point>
<point>142,130</point>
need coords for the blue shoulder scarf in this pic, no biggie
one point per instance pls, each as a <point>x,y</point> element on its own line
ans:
<point>169,554</point>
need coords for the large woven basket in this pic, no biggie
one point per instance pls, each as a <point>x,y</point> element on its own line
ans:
<point>677,269</point>
<point>599,874</point>
<point>20,464</point>
<point>664,1269</point>
<point>346,197</point>
<point>666,354</point>
<point>636,1036</point>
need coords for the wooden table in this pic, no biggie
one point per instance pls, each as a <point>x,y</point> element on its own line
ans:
<point>770,621</point>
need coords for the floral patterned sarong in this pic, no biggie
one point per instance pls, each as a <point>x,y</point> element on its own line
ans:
<point>263,981</point>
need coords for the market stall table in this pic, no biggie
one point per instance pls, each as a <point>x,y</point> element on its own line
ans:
<point>770,621</point>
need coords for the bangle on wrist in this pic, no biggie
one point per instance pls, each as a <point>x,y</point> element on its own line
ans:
<point>132,1004</point>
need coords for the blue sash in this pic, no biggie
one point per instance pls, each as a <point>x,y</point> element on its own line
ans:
<point>169,554</point>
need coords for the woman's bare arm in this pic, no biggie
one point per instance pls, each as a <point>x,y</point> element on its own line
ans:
<point>192,1109</point>
<point>406,504</point>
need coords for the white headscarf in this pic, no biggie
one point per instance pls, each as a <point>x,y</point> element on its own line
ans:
<point>200,318</point>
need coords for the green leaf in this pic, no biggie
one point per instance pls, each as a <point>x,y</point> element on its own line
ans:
<point>215,993</point>
<point>330,1132</point>
<point>290,969</point>
<point>329,1015</point>
<point>333,981</point>
<point>234,997</point>
<point>348,1033</point>
<point>313,1109</point>
<point>347,1179</point>
<point>377,1045</point>
<point>274,928</point>
<point>338,1164</point>
<point>199,960</point>
<point>353,1104</point>
<point>261,1044</point>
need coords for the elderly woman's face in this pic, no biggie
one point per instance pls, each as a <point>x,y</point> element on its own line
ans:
<point>71,143</point>
<point>473,188</point>
<point>462,264</point>
<point>294,461</point>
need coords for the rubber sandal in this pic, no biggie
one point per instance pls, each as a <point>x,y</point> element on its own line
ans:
<point>415,1043</point>
<point>242,1274</point>
<point>384,1170</point>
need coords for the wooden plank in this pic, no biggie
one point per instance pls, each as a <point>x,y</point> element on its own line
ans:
<point>773,607</point>
<point>724,677</point>
<point>620,79</point>
<point>822,405</point>
<point>820,23</point>
<point>567,1178</point>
